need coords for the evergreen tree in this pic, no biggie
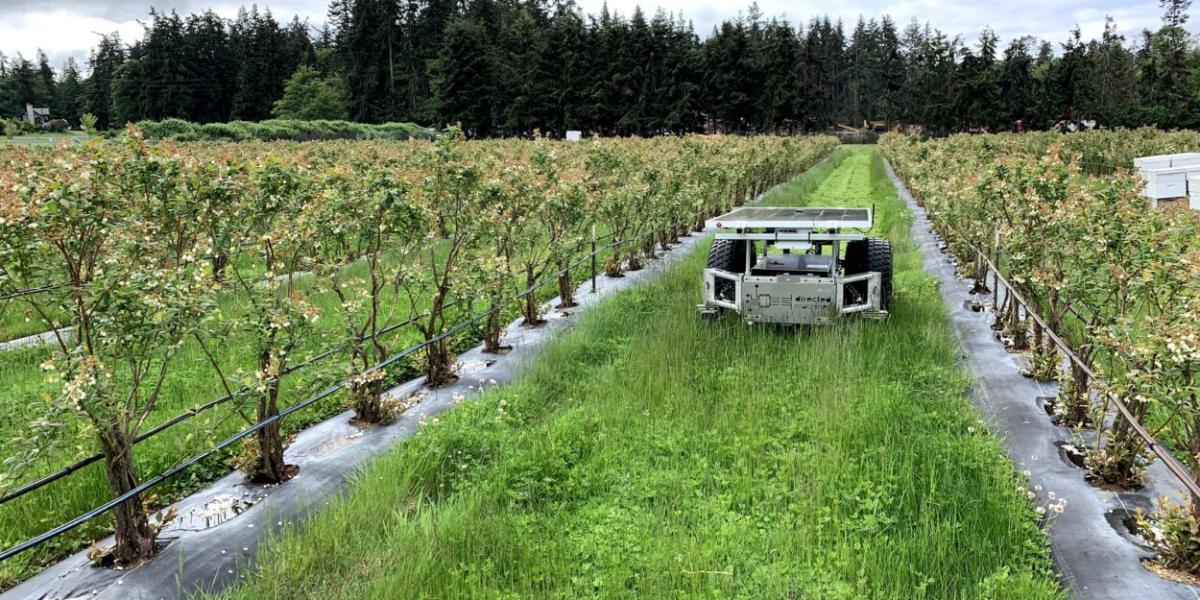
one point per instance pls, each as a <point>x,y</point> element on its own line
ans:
<point>778,105</point>
<point>9,107</point>
<point>168,86</point>
<point>510,67</point>
<point>1167,68</point>
<point>69,94</point>
<point>372,48</point>
<point>564,62</point>
<point>1048,97</point>
<point>463,77</point>
<point>210,60</point>
<point>266,55</point>
<point>891,71</point>
<point>978,101</point>
<point>23,80</point>
<point>523,99</point>
<point>105,60</point>
<point>1111,81</point>
<point>1016,83</point>
<point>43,83</point>
<point>130,97</point>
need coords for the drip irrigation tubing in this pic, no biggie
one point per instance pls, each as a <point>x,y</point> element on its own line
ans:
<point>196,411</point>
<point>327,392</point>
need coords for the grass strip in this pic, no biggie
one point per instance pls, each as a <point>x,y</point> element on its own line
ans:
<point>648,453</point>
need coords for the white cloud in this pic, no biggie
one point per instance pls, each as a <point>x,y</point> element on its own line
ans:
<point>59,33</point>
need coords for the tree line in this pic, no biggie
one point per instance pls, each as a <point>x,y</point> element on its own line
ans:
<point>510,67</point>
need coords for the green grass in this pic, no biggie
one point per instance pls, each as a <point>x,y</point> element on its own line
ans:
<point>46,139</point>
<point>648,453</point>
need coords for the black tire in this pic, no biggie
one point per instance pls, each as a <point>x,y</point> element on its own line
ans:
<point>727,255</point>
<point>863,256</point>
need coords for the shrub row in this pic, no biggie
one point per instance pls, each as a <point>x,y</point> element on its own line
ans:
<point>279,129</point>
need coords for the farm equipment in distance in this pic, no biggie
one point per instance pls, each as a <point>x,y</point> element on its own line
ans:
<point>785,265</point>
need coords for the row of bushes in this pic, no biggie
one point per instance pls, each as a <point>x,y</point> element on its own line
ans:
<point>279,129</point>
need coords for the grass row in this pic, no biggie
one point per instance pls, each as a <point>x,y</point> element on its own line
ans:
<point>648,453</point>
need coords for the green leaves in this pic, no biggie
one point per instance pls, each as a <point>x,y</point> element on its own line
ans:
<point>1117,279</point>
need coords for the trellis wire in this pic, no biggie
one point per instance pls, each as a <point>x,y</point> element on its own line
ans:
<point>1172,464</point>
<point>327,392</point>
<point>196,411</point>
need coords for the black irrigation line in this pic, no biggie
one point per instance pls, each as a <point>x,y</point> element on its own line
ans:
<point>21,293</point>
<point>327,392</point>
<point>32,291</point>
<point>1164,454</point>
<point>196,411</point>
<point>186,415</point>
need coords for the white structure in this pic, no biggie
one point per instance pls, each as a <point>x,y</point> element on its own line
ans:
<point>1171,176</point>
<point>574,135</point>
<point>37,116</point>
<point>1167,182</point>
<point>1162,161</point>
<point>1194,192</point>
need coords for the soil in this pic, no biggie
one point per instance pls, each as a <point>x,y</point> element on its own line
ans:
<point>359,423</point>
<point>1072,454</point>
<point>1170,574</point>
<point>1096,482</point>
<point>450,379</point>
<point>289,471</point>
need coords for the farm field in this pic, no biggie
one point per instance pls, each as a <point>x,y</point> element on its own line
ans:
<point>650,453</point>
<point>46,139</point>
<point>402,231</point>
<point>1117,285</point>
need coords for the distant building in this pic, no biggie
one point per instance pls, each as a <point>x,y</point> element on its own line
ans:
<point>39,117</point>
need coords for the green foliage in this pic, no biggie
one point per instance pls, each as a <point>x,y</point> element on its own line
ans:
<point>271,233</point>
<point>279,129</point>
<point>310,96</point>
<point>130,299</point>
<point>15,127</point>
<point>1118,283</point>
<point>650,454</point>
<point>513,68</point>
<point>1174,531</point>
<point>129,93</point>
<point>464,77</point>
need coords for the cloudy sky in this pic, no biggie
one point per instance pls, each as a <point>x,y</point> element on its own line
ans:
<point>65,28</point>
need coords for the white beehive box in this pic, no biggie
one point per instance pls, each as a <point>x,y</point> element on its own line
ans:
<point>1169,176</point>
<point>1169,182</point>
<point>1194,192</point>
<point>1147,163</point>
<point>1185,160</point>
<point>1162,161</point>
